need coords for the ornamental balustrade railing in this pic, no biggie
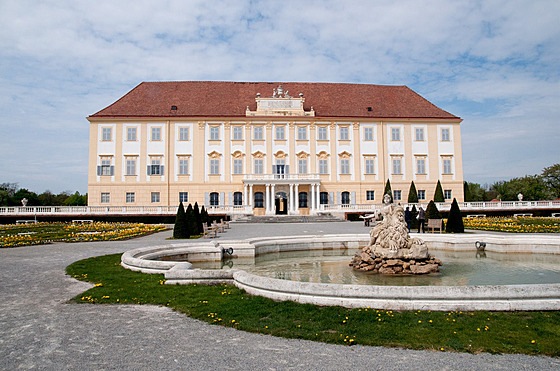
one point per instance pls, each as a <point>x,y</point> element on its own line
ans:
<point>253,177</point>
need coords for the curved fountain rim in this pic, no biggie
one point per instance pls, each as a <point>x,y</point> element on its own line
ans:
<point>483,297</point>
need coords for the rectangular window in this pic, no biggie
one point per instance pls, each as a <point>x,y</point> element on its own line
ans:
<point>155,168</point>
<point>156,134</point>
<point>344,133</point>
<point>106,135</point>
<point>368,134</point>
<point>302,133</point>
<point>214,166</point>
<point>419,134</point>
<point>183,166</point>
<point>183,196</point>
<point>344,166</point>
<point>183,134</point>
<point>130,197</point>
<point>447,166</point>
<point>421,195</point>
<point>131,166</point>
<point>214,133</point>
<point>105,198</point>
<point>322,133</point>
<point>258,168</point>
<point>323,166</point>
<point>370,195</point>
<point>237,166</point>
<point>397,166</point>
<point>420,166</point>
<point>445,137</point>
<point>258,133</point>
<point>395,134</point>
<point>131,134</point>
<point>447,194</point>
<point>280,134</point>
<point>369,166</point>
<point>396,195</point>
<point>237,133</point>
<point>106,168</point>
<point>302,166</point>
<point>155,197</point>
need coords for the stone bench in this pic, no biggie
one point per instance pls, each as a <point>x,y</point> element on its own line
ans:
<point>25,221</point>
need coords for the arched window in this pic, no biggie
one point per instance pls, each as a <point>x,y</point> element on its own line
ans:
<point>303,199</point>
<point>324,198</point>
<point>214,199</point>
<point>345,198</point>
<point>238,199</point>
<point>259,200</point>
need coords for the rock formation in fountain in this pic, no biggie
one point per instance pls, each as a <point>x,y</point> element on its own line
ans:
<point>391,250</point>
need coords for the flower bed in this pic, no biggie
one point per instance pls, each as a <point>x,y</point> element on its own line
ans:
<point>14,235</point>
<point>514,224</point>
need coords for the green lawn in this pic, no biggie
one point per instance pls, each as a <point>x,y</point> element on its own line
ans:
<point>494,332</point>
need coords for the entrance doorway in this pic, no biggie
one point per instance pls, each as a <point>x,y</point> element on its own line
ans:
<point>281,203</point>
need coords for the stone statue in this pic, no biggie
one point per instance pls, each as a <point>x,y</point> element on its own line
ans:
<point>391,249</point>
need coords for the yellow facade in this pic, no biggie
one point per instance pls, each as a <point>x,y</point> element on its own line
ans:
<point>302,163</point>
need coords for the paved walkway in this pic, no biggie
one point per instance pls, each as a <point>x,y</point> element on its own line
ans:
<point>39,330</point>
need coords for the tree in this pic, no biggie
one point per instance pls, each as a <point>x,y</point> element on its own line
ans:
<point>455,220</point>
<point>191,221</point>
<point>432,211</point>
<point>76,200</point>
<point>198,219</point>
<point>388,190</point>
<point>438,195</point>
<point>551,176</point>
<point>532,187</point>
<point>412,194</point>
<point>32,198</point>
<point>11,188</point>
<point>476,192</point>
<point>180,229</point>
<point>467,192</point>
<point>4,197</point>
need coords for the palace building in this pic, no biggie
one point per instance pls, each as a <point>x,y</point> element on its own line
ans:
<point>271,148</point>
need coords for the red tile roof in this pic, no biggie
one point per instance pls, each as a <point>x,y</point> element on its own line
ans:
<point>230,99</point>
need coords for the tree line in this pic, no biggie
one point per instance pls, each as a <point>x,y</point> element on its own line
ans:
<point>11,195</point>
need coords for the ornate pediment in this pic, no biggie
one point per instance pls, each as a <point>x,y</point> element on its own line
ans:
<point>280,104</point>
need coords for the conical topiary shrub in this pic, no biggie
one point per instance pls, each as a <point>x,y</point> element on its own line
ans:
<point>198,218</point>
<point>438,195</point>
<point>388,190</point>
<point>432,211</point>
<point>412,194</point>
<point>455,220</point>
<point>180,228</point>
<point>191,221</point>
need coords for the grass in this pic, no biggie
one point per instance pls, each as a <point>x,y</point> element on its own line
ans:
<point>14,235</point>
<point>473,332</point>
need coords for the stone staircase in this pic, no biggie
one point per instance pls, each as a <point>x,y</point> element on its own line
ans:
<point>323,218</point>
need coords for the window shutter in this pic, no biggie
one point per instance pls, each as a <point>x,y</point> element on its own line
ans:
<point>222,198</point>
<point>112,170</point>
<point>230,198</point>
<point>331,198</point>
<point>206,199</point>
<point>161,169</point>
<point>353,197</point>
<point>149,170</point>
<point>338,198</point>
<point>273,169</point>
<point>99,170</point>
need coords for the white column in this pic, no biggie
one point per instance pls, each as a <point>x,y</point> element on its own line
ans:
<point>245,195</point>
<point>291,203</point>
<point>318,203</point>
<point>251,195</point>
<point>267,200</point>
<point>312,195</point>
<point>296,198</point>
<point>272,199</point>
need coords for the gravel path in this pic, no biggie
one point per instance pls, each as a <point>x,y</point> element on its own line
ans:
<point>39,330</point>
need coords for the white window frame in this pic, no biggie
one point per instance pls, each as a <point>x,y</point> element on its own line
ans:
<point>237,133</point>
<point>183,133</point>
<point>156,166</point>
<point>323,166</point>
<point>445,135</point>
<point>106,134</point>
<point>130,197</point>
<point>369,166</point>
<point>322,133</point>
<point>280,132</point>
<point>131,166</point>
<point>155,197</point>
<point>105,197</point>
<point>368,134</point>
<point>395,134</point>
<point>258,133</point>
<point>214,133</point>
<point>421,195</point>
<point>258,166</point>
<point>370,195</point>
<point>447,194</point>
<point>397,195</point>
<point>106,164</point>
<point>237,166</point>
<point>183,166</point>
<point>183,196</point>
<point>447,168</point>
<point>156,134</point>
<point>345,166</point>
<point>396,166</point>
<point>214,166</point>
<point>344,133</point>
<point>302,166</point>
<point>419,134</point>
<point>131,134</point>
<point>421,166</point>
<point>301,133</point>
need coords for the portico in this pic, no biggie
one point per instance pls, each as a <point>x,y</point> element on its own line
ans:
<point>284,193</point>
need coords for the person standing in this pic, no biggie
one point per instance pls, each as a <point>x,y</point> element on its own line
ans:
<point>407,217</point>
<point>421,219</point>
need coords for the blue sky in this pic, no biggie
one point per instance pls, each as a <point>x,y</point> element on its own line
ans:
<point>496,64</point>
